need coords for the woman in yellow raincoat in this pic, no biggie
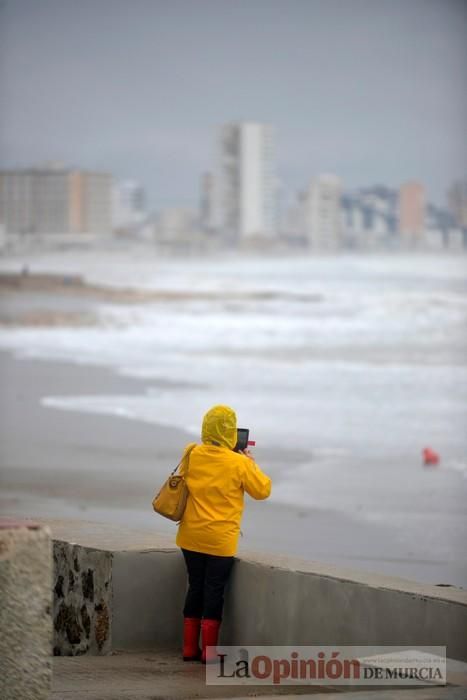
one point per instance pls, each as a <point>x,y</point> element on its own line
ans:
<point>217,478</point>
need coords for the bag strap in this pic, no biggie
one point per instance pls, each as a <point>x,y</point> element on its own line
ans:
<point>187,455</point>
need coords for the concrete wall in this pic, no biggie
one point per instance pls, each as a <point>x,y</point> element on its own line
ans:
<point>25,611</point>
<point>268,605</point>
<point>148,594</point>
<point>274,604</point>
<point>269,600</point>
<point>116,600</point>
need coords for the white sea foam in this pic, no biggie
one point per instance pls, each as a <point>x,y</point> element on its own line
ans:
<point>365,355</point>
<point>358,363</point>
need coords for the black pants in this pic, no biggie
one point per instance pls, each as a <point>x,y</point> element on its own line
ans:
<point>207,576</point>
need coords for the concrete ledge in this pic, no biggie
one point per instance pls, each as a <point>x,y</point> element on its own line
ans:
<point>270,600</point>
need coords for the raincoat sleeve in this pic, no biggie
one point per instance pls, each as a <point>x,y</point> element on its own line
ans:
<point>255,482</point>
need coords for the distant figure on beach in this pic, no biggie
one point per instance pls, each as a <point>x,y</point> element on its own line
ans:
<point>217,478</point>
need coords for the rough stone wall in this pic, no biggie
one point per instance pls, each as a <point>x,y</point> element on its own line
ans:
<point>25,612</point>
<point>82,592</point>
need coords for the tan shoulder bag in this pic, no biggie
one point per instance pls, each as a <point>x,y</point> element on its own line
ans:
<point>171,499</point>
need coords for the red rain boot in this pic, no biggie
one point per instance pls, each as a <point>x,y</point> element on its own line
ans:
<point>209,636</point>
<point>191,627</point>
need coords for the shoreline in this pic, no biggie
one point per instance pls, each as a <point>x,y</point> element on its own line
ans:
<point>69,285</point>
<point>114,465</point>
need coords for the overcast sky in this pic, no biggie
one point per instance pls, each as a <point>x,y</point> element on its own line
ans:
<point>372,90</point>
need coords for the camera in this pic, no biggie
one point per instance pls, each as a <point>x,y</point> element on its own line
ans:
<point>242,440</point>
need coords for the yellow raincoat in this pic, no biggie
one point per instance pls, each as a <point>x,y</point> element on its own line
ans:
<point>217,478</point>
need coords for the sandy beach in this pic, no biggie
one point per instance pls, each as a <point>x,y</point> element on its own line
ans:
<point>69,464</point>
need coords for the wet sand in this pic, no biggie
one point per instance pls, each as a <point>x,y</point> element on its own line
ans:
<point>56,463</point>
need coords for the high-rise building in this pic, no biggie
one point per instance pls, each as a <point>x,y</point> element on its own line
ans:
<point>207,202</point>
<point>246,182</point>
<point>412,210</point>
<point>54,199</point>
<point>457,201</point>
<point>323,224</point>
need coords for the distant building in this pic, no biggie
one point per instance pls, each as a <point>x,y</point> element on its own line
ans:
<point>293,226</point>
<point>369,218</point>
<point>443,230</point>
<point>246,179</point>
<point>175,226</point>
<point>207,205</point>
<point>55,200</point>
<point>322,211</point>
<point>412,210</point>
<point>128,205</point>
<point>457,203</point>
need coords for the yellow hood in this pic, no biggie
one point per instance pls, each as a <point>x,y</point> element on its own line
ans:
<point>220,427</point>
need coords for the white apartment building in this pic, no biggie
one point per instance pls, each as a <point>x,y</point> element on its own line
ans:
<point>246,182</point>
<point>53,200</point>
<point>323,213</point>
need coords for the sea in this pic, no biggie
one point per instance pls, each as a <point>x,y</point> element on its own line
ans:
<point>352,364</point>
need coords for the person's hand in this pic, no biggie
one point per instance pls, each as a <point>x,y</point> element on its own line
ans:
<point>247,453</point>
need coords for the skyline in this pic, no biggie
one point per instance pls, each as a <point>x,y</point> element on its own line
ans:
<point>148,95</point>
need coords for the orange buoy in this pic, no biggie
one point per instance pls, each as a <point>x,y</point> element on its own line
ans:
<point>430,457</point>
